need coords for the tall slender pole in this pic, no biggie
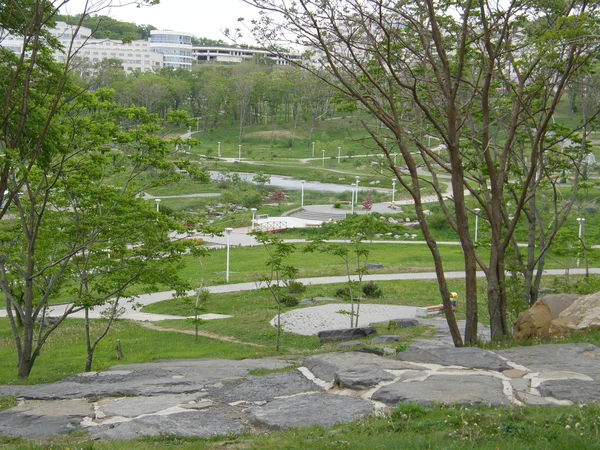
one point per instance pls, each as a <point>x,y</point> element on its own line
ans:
<point>313,153</point>
<point>323,158</point>
<point>228,232</point>
<point>580,220</point>
<point>253,222</point>
<point>302,198</point>
<point>219,149</point>
<point>393,192</point>
<point>356,194</point>
<point>352,191</point>
<point>339,154</point>
<point>239,153</point>
<point>157,200</point>
<point>477,211</point>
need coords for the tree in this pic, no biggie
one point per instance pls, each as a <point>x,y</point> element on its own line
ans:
<point>484,77</point>
<point>278,197</point>
<point>280,273</point>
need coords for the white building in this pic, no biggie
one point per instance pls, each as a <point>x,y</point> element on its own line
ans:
<point>237,55</point>
<point>174,46</point>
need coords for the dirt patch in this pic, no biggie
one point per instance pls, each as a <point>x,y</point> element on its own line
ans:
<point>274,134</point>
<point>218,337</point>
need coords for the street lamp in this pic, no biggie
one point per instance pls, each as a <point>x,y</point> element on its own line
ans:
<point>302,197</point>
<point>477,211</point>
<point>339,154</point>
<point>393,192</point>
<point>219,149</point>
<point>228,232</point>
<point>313,153</point>
<point>240,153</point>
<point>157,200</point>
<point>356,195</point>
<point>352,192</point>
<point>323,158</point>
<point>580,220</point>
<point>251,236</point>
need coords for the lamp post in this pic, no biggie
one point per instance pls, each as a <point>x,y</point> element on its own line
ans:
<point>477,211</point>
<point>313,153</point>
<point>240,153</point>
<point>228,232</point>
<point>356,194</point>
<point>580,220</point>
<point>339,154</point>
<point>393,192</point>
<point>323,158</point>
<point>157,200</point>
<point>352,192</point>
<point>302,196</point>
<point>253,222</point>
<point>219,149</point>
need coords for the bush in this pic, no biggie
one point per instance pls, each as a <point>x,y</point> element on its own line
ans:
<point>371,290</point>
<point>296,287</point>
<point>337,205</point>
<point>343,293</point>
<point>289,300</point>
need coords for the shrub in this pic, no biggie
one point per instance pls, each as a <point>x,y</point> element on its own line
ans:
<point>337,205</point>
<point>289,300</point>
<point>371,290</point>
<point>343,293</point>
<point>296,287</point>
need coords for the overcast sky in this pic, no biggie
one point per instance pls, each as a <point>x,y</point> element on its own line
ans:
<point>203,18</point>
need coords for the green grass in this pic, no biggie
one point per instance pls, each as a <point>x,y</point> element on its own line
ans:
<point>8,402</point>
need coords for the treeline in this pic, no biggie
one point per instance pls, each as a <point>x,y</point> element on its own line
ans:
<point>248,93</point>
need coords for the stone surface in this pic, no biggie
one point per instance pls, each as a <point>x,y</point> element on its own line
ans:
<point>406,323</point>
<point>473,358</point>
<point>345,334</point>
<point>535,322</point>
<point>559,302</point>
<point>350,344</point>
<point>136,406</point>
<point>308,410</point>
<point>212,422</point>
<point>445,389</point>
<point>315,300</point>
<point>581,358</point>
<point>384,339</point>
<point>515,373</point>
<point>583,313</point>
<point>580,391</point>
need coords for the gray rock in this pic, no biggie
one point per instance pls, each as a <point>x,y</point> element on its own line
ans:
<point>266,388</point>
<point>582,358</point>
<point>384,339</point>
<point>350,344</point>
<point>345,334</point>
<point>373,266</point>
<point>44,419</point>
<point>314,300</point>
<point>308,410</point>
<point>406,323</point>
<point>213,422</point>
<point>446,390</point>
<point>350,366</point>
<point>136,406</point>
<point>575,390</point>
<point>473,358</point>
<point>559,302</point>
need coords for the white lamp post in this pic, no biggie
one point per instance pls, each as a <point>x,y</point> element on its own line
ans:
<point>393,192</point>
<point>239,153</point>
<point>352,192</point>
<point>323,158</point>
<point>157,200</point>
<point>302,196</point>
<point>356,194</point>
<point>219,149</point>
<point>477,211</point>
<point>253,222</point>
<point>339,154</point>
<point>580,220</point>
<point>313,153</point>
<point>228,232</point>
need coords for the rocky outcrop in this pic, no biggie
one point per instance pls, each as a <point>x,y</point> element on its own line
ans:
<point>535,322</point>
<point>582,314</point>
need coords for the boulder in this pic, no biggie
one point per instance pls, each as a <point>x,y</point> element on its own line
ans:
<point>535,322</point>
<point>582,314</point>
<point>345,334</point>
<point>559,302</point>
<point>384,339</point>
<point>406,323</point>
<point>373,266</point>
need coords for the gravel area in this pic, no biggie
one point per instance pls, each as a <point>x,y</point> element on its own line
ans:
<point>309,321</point>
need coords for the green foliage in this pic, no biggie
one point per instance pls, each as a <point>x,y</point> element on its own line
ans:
<point>296,287</point>
<point>289,300</point>
<point>577,284</point>
<point>371,290</point>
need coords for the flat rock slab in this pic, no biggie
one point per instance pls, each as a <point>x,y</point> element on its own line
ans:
<point>345,334</point>
<point>268,387</point>
<point>385,339</point>
<point>307,410</point>
<point>579,391</point>
<point>445,390</point>
<point>354,370</point>
<point>213,422</point>
<point>351,344</point>
<point>42,419</point>
<point>137,406</point>
<point>580,358</point>
<point>472,358</point>
<point>159,377</point>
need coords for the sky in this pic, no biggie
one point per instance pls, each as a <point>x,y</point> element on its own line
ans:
<point>202,18</point>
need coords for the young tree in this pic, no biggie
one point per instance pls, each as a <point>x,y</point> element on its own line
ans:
<point>483,77</point>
